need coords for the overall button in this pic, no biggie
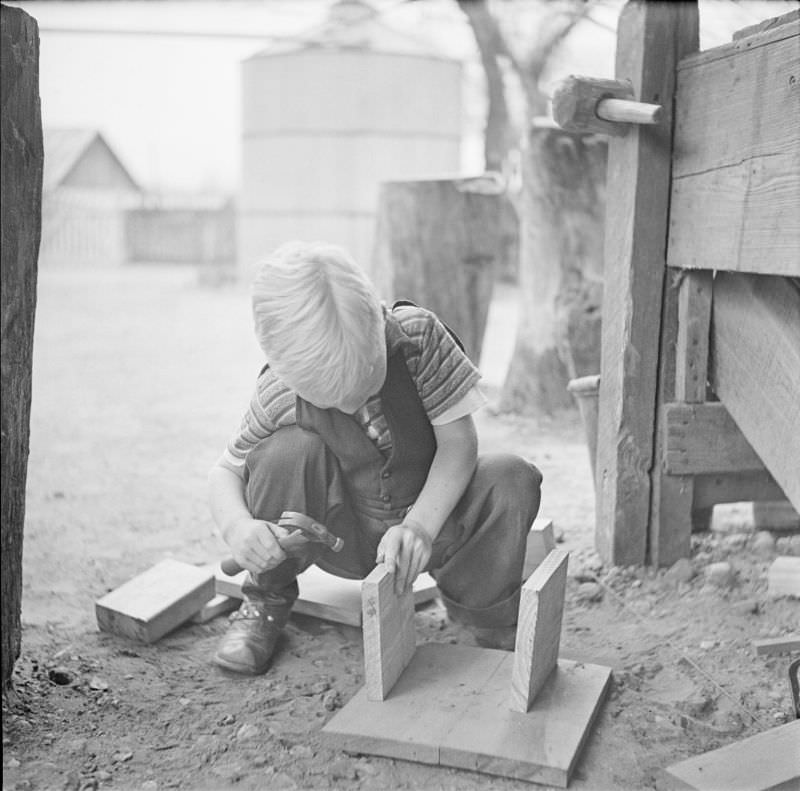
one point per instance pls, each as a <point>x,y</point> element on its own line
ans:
<point>386,498</point>
<point>386,474</point>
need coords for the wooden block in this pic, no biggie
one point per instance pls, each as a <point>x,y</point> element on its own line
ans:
<point>755,367</point>
<point>389,639</point>
<point>156,601</point>
<point>766,761</point>
<point>327,596</point>
<point>704,438</point>
<point>450,708</point>
<point>541,543</point>
<point>783,577</point>
<point>538,630</point>
<point>777,645</point>
<point>219,605</point>
<point>778,516</point>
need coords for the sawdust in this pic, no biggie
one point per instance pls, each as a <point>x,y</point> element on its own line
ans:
<point>139,376</point>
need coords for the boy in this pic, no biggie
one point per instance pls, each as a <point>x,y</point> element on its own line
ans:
<point>362,419</point>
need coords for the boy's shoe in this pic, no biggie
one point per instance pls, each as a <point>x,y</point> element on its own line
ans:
<point>503,637</point>
<point>250,641</point>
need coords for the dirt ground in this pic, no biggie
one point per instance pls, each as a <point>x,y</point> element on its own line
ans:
<point>139,377</point>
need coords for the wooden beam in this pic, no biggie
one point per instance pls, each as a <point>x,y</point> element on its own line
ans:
<point>694,330</point>
<point>756,367</point>
<point>768,761</point>
<point>651,37</point>
<point>735,194</point>
<point>538,630</point>
<point>703,438</point>
<point>156,601</point>
<point>389,640</point>
<point>770,646</point>
<point>734,488</point>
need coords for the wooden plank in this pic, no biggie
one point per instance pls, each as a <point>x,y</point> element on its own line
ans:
<point>756,367</point>
<point>769,646</point>
<point>389,639</point>
<point>767,25</point>
<point>541,542</point>
<point>327,596</point>
<point>735,193</point>
<point>704,438</point>
<point>156,601</point>
<point>538,630</point>
<point>651,36</point>
<point>219,605</point>
<point>683,375</point>
<point>450,708</point>
<point>734,488</point>
<point>783,577</point>
<point>768,761</point>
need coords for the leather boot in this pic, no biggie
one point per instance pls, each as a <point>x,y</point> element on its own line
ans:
<point>250,641</point>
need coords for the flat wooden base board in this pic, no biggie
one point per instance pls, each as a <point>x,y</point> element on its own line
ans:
<point>326,596</point>
<point>450,707</point>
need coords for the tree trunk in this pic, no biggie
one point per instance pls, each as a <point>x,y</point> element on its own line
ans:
<point>21,208</point>
<point>561,270</point>
<point>440,244</point>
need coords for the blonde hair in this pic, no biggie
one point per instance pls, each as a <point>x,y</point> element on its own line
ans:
<point>317,319</point>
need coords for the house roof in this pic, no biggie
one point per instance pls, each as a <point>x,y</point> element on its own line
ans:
<point>63,149</point>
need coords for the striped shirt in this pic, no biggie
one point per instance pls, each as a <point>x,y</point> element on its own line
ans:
<point>444,376</point>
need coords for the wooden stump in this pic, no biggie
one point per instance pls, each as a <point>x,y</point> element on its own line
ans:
<point>21,203</point>
<point>561,269</point>
<point>440,243</point>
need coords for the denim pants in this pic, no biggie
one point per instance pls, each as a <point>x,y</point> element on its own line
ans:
<point>476,559</point>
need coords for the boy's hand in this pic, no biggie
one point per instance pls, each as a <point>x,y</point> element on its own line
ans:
<point>405,550</point>
<point>254,544</point>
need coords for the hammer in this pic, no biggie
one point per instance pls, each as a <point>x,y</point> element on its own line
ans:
<point>305,530</point>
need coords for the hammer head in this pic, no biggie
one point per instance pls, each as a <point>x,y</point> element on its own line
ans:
<point>311,529</point>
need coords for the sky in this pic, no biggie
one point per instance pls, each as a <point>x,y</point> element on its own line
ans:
<point>161,78</point>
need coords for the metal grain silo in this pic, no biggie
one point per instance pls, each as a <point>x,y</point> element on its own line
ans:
<point>325,120</point>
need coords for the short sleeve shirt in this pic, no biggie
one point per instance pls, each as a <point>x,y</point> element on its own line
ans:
<point>444,376</point>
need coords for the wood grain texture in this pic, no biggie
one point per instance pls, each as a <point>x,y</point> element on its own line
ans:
<point>327,596</point>
<point>541,542</point>
<point>735,192</point>
<point>783,577</point>
<point>156,601</point>
<point>538,630</point>
<point>755,367</point>
<point>704,438</point>
<point>694,331</point>
<point>768,761</point>
<point>734,488</point>
<point>450,708</point>
<point>650,39</point>
<point>389,639</point>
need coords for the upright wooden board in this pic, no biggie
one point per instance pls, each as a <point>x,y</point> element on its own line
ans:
<point>769,761</point>
<point>326,596</point>
<point>389,639</point>
<point>651,37</point>
<point>783,577</point>
<point>156,601</point>
<point>539,629</point>
<point>735,193</point>
<point>450,707</point>
<point>755,367</point>
<point>541,542</point>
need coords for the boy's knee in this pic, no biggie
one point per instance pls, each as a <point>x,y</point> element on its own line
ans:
<point>513,476</point>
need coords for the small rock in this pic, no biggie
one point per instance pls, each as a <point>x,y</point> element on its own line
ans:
<point>301,751</point>
<point>149,785</point>
<point>260,760</point>
<point>98,684</point>
<point>707,645</point>
<point>720,574</point>
<point>280,781</point>
<point>102,775</point>
<point>331,700</point>
<point>12,763</point>
<point>121,757</point>
<point>680,571</point>
<point>735,541</point>
<point>61,676</point>
<point>342,770</point>
<point>745,607</point>
<point>320,687</point>
<point>247,731</point>
<point>764,543</point>
<point>589,592</point>
<point>228,719</point>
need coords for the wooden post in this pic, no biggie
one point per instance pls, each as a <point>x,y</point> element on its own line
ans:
<point>21,206</point>
<point>389,640</point>
<point>651,37</point>
<point>538,629</point>
<point>440,244</point>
